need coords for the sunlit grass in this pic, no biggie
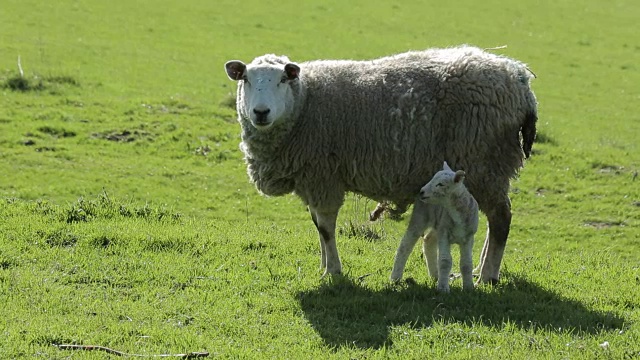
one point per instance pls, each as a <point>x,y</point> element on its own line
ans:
<point>127,220</point>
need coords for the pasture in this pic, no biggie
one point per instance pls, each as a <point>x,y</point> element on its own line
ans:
<point>127,219</point>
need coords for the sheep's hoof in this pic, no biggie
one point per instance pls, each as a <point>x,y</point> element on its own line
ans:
<point>329,274</point>
<point>490,281</point>
<point>443,289</point>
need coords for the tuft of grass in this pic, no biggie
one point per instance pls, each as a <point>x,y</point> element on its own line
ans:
<point>21,83</point>
<point>103,207</point>
<point>366,230</point>
<point>228,101</point>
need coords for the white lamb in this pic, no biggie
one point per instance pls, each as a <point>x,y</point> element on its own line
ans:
<point>450,210</point>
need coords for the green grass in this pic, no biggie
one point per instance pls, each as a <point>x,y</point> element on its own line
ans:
<point>127,220</point>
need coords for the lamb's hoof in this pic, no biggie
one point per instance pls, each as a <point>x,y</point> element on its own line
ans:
<point>411,281</point>
<point>443,289</point>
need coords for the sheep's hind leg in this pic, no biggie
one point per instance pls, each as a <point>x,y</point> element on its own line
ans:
<point>416,228</point>
<point>323,252</point>
<point>325,222</point>
<point>483,254</point>
<point>499,223</point>
<point>430,252</point>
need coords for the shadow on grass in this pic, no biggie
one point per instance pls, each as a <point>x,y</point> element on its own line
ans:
<point>345,313</point>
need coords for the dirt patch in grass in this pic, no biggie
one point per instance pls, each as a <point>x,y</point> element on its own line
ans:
<point>123,135</point>
<point>598,224</point>
<point>56,132</point>
<point>604,168</point>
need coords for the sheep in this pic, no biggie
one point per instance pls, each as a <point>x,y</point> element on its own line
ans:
<point>446,206</point>
<point>381,128</point>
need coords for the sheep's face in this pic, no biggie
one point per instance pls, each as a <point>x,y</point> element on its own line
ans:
<point>443,183</point>
<point>265,95</point>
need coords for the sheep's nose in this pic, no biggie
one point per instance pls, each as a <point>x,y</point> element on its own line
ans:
<point>261,112</point>
<point>422,194</point>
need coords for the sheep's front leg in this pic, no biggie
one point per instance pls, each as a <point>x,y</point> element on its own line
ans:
<point>416,228</point>
<point>444,261</point>
<point>466,263</point>
<point>430,252</point>
<point>325,222</point>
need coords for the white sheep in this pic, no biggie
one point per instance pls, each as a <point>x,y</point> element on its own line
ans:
<point>382,128</point>
<point>448,208</point>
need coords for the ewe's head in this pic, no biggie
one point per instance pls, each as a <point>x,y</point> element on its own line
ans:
<point>443,183</point>
<point>265,89</point>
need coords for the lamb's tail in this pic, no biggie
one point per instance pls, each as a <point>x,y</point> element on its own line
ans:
<point>528,131</point>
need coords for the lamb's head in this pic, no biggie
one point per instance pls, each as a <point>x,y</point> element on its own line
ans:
<point>265,89</point>
<point>443,183</point>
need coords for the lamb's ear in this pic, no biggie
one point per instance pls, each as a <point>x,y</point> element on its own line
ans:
<point>445,166</point>
<point>459,176</point>
<point>236,69</point>
<point>292,70</point>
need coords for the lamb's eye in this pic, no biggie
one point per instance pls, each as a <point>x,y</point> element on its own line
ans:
<point>439,184</point>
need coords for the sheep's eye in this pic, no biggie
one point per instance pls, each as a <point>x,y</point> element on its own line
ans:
<point>439,184</point>
<point>283,80</point>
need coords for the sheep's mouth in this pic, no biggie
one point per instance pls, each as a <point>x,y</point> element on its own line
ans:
<point>262,124</point>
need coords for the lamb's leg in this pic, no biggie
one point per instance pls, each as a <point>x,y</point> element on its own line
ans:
<point>430,252</point>
<point>325,222</point>
<point>499,223</point>
<point>416,228</point>
<point>444,262</point>
<point>466,263</point>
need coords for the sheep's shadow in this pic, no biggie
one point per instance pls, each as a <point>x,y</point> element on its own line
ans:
<point>345,313</point>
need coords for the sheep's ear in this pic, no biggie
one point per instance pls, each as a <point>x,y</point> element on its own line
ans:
<point>459,177</point>
<point>292,70</point>
<point>236,69</point>
<point>445,166</point>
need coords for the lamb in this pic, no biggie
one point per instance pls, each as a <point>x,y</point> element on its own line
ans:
<point>382,128</point>
<point>446,206</point>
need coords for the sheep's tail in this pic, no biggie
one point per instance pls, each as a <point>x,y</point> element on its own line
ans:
<point>528,131</point>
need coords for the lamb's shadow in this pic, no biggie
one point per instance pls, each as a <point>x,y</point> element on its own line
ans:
<point>347,314</point>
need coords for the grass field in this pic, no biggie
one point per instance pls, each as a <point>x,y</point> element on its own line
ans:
<point>127,219</point>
